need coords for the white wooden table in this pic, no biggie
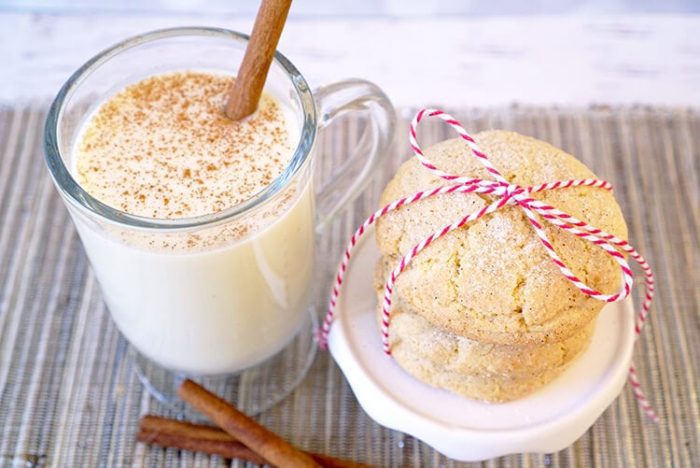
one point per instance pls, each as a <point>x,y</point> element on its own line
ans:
<point>485,61</point>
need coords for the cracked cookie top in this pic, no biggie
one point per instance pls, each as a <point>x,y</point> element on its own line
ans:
<point>492,280</point>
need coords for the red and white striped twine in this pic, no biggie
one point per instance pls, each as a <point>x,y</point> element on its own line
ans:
<point>505,194</point>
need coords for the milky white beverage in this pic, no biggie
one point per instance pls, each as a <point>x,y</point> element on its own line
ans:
<point>207,301</point>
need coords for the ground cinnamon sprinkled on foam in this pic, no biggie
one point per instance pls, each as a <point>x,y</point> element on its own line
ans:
<point>163,148</point>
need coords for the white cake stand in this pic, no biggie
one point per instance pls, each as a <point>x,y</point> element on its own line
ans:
<point>467,430</point>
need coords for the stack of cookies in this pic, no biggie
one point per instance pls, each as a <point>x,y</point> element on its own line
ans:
<point>483,312</point>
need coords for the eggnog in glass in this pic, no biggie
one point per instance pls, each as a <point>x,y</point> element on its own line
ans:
<point>201,230</point>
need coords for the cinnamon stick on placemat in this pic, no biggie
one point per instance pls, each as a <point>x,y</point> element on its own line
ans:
<point>264,442</point>
<point>193,437</point>
<point>183,435</point>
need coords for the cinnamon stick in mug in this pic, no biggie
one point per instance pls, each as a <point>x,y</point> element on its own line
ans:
<point>246,90</point>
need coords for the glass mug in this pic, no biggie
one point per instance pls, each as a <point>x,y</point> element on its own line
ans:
<point>220,293</point>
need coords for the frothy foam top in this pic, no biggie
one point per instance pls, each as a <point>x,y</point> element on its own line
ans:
<point>163,148</point>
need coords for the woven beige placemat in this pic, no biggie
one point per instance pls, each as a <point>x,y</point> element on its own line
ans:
<point>69,397</point>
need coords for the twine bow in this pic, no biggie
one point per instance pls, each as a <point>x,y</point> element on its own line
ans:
<point>505,194</point>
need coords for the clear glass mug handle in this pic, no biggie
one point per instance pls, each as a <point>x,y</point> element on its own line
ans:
<point>347,182</point>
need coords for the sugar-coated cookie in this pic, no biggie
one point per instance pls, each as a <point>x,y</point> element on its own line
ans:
<point>492,280</point>
<point>416,342</point>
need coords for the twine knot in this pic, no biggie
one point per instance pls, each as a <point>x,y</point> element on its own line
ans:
<point>512,191</point>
